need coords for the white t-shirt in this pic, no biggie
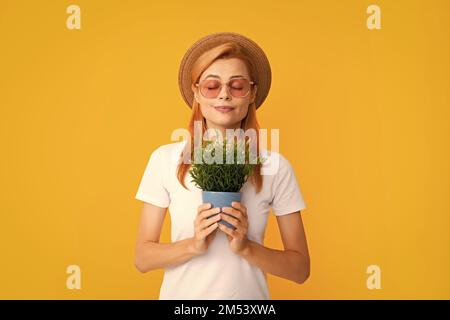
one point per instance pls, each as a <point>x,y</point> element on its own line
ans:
<point>218,273</point>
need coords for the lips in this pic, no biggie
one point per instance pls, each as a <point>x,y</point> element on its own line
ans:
<point>224,108</point>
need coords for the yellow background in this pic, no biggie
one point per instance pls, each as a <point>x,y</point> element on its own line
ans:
<point>363,118</point>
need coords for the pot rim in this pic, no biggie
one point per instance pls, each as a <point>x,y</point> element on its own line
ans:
<point>221,191</point>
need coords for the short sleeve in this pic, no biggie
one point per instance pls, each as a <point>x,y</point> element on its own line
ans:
<point>287,196</point>
<point>151,188</point>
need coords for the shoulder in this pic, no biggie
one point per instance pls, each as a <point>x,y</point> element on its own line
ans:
<point>169,153</point>
<point>274,163</point>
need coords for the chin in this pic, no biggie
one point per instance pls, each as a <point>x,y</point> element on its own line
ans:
<point>224,123</point>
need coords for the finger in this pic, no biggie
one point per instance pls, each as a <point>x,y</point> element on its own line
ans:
<point>203,207</point>
<point>241,227</point>
<point>208,213</point>
<point>235,213</point>
<point>210,237</point>
<point>208,230</point>
<point>202,222</point>
<point>239,206</point>
<point>231,220</point>
<point>207,222</point>
<point>227,230</point>
<point>213,234</point>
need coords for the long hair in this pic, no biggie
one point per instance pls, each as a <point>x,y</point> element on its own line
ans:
<point>223,51</point>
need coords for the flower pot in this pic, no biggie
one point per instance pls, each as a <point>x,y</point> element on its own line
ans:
<point>221,199</point>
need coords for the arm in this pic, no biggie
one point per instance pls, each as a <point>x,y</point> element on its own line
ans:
<point>150,254</point>
<point>293,263</point>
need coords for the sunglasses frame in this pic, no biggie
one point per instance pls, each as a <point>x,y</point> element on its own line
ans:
<point>227,86</point>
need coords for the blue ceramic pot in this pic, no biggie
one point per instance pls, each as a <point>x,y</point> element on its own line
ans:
<point>221,199</point>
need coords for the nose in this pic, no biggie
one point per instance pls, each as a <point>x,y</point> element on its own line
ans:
<point>224,93</point>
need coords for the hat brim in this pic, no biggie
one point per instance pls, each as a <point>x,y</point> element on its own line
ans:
<point>263,74</point>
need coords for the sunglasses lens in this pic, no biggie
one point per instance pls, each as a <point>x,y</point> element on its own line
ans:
<point>239,87</point>
<point>210,88</point>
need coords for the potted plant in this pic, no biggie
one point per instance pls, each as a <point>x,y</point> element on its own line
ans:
<point>221,181</point>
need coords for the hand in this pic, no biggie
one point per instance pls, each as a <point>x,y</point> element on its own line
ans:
<point>205,227</point>
<point>237,238</point>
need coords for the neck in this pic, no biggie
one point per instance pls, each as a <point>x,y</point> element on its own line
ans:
<point>212,132</point>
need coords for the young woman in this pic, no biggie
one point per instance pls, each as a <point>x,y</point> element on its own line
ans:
<point>224,78</point>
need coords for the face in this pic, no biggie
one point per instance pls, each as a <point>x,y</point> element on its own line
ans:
<point>225,70</point>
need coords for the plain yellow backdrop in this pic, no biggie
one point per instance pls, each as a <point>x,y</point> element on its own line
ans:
<point>363,118</point>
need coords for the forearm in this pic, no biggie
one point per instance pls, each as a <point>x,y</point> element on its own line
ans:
<point>287,264</point>
<point>155,255</point>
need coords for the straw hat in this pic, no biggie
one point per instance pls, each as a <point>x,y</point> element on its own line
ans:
<point>263,74</point>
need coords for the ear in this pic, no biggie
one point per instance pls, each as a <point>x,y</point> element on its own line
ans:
<point>194,90</point>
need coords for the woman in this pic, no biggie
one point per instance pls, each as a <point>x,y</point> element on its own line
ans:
<point>224,78</point>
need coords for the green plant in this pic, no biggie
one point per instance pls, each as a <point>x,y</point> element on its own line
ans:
<point>226,176</point>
